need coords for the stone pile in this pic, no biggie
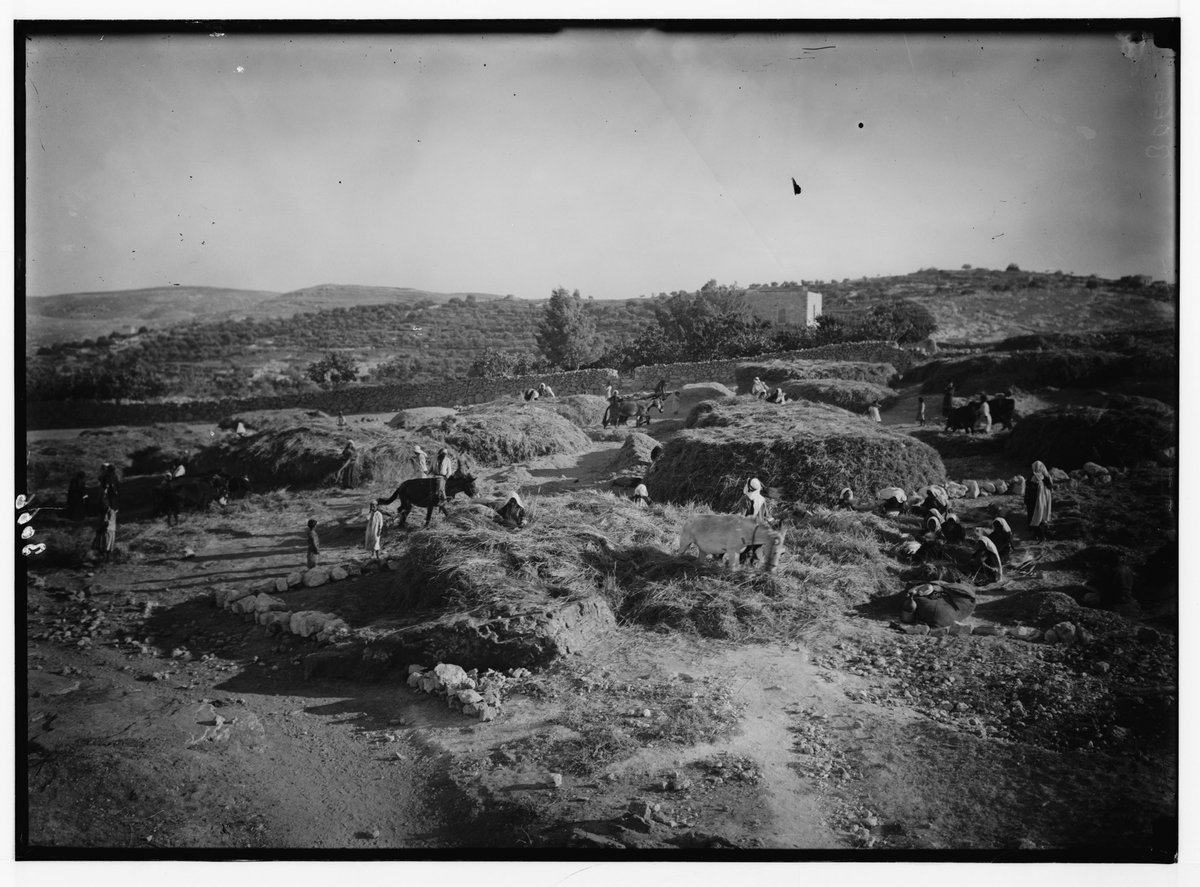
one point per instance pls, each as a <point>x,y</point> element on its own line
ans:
<point>474,694</point>
<point>258,602</point>
<point>1068,635</point>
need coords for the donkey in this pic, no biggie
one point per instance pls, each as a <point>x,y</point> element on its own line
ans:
<point>422,491</point>
<point>728,535</point>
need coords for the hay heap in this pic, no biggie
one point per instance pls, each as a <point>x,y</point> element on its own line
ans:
<point>686,397</point>
<point>488,589</point>
<point>1071,368</point>
<point>809,451</point>
<point>278,420</point>
<point>415,417</point>
<point>849,395</point>
<point>776,372</point>
<point>503,433</point>
<point>634,453</point>
<point>583,410</point>
<point>1138,431</point>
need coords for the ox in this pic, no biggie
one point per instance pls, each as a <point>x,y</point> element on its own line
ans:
<point>728,535</point>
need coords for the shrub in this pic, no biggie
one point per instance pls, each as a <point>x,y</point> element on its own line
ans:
<point>806,451</point>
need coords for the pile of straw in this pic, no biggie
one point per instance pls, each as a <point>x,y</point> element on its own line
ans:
<point>776,372</point>
<point>595,543</point>
<point>849,395</point>
<point>808,451</point>
<point>1121,436</point>
<point>503,433</point>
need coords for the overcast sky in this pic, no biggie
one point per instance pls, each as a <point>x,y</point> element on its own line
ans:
<point>618,161</point>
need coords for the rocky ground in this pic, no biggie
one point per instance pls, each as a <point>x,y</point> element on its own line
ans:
<point>157,721</point>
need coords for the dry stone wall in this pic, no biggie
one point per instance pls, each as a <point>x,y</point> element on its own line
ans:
<point>455,392</point>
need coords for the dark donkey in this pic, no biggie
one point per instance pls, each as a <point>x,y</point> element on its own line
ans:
<point>422,491</point>
<point>621,412</point>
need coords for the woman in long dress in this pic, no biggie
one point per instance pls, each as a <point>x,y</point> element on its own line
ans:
<point>374,537</point>
<point>1038,506</point>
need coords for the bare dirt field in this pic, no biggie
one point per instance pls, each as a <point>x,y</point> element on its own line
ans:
<point>158,722</point>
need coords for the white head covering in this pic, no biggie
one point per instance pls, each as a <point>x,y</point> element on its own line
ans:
<point>951,516</point>
<point>892,493</point>
<point>990,546</point>
<point>1039,469</point>
<point>846,493</point>
<point>516,497</point>
<point>640,490</point>
<point>1002,524</point>
<point>753,485</point>
<point>417,449</point>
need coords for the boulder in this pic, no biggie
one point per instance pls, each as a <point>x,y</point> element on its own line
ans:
<point>1094,470</point>
<point>988,487</point>
<point>469,697</point>
<point>1016,486</point>
<point>989,630</point>
<point>337,574</point>
<point>960,628</point>
<point>1001,487</point>
<point>244,605</point>
<point>1025,633</point>
<point>972,489</point>
<point>955,490</point>
<point>414,680</point>
<point>224,597</point>
<point>265,603</point>
<point>281,584</point>
<point>332,629</point>
<point>314,577</point>
<point>1059,476</point>
<point>307,623</point>
<point>451,676</point>
<point>275,621</point>
<point>1065,632</point>
<point>293,579</point>
<point>415,669</point>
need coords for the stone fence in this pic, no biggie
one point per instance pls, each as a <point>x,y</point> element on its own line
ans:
<point>453,392</point>
<point>354,399</point>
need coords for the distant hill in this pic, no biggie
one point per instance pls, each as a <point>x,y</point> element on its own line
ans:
<point>74,317</point>
<point>203,342</point>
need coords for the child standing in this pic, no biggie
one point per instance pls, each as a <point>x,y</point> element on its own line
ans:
<point>921,411</point>
<point>314,543</point>
<point>374,535</point>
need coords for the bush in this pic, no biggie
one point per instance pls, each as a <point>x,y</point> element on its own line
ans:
<point>807,451</point>
<point>1067,437</point>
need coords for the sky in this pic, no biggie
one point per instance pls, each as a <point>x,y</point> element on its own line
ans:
<point>619,161</point>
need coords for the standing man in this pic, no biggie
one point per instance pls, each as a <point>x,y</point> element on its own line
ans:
<point>420,462</point>
<point>985,413</point>
<point>921,411</point>
<point>374,535</point>
<point>948,399</point>
<point>443,467</point>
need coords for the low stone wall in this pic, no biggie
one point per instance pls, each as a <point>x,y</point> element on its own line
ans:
<point>455,392</point>
<point>725,371</point>
<point>355,399</point>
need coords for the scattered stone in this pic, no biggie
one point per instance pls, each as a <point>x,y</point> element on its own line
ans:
<point>1025,633</point>
<point>1147,635</point>
<point>960,628</point>
<point>585,839</point>
<point>1065,632</point>
<point>918,629</point>
<point>315,577</point>
<point>989,630</point>
<point>939,632</point>
<point>555,780</point>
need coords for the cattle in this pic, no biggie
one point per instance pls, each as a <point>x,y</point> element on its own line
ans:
<point>198,493</point>
<point>728,535</point>
<point>963,418</point>
<point>1003,411</point>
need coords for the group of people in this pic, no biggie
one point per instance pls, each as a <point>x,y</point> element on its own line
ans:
<point>941,526</point>
<point>762,391</point>
<point>543,390</point>
<point>105,540</point>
